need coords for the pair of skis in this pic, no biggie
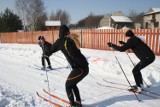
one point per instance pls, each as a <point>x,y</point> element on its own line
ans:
<point>39,68</point>
<point>48,69</point>
<point>143,92</point>
<point>65,102</point>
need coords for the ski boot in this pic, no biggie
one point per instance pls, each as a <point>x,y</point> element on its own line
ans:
<point>49,67</point>
<point>78,104</point>
<point>72,104</point>
<point>135,88</point>
<point>43,68</point>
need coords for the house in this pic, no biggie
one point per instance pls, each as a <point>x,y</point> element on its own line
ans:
<point>105,21</point>
<point>117,20</point>
<point>53,25</point>
<point>120,22</point>
<point>152,18</point>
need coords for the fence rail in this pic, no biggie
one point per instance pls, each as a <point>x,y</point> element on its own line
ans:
<point>89,38</point>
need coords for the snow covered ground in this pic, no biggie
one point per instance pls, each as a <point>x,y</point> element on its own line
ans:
<point>19,80</point>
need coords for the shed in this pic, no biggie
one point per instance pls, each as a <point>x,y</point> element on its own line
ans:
<point>121,21</point>
<point>53,25</point>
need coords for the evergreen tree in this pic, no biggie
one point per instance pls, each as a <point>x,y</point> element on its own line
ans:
<point>10,22</point>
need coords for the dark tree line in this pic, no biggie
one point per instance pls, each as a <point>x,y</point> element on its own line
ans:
<point>91,21</point>
<point>10,22</point>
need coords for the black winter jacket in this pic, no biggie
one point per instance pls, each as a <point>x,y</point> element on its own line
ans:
<point>141,50</point>
<point>70,51</point>
<point>46,49</point>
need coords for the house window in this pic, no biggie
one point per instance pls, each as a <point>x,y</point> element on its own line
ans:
<point>146,25</point>
<point>156,24</point>
<point>153,17</point>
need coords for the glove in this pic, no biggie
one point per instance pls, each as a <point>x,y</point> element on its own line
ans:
<point>121,42</point>
<point>109,44</point>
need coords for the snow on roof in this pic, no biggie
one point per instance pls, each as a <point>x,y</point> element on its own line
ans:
<point>105,27</point>
<point>121,19</point>
<point>53,23</point>
<point>156,9</point>
<point>152,10</point>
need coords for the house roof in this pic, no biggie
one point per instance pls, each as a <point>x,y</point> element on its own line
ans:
<point>153,10</point>
<point>121,19</point>
<point>53,23</point>
<point>156,9</point>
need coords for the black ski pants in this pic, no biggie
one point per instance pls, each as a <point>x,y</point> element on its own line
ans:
<point>47,59</point>
<point>76,75</point>
<point>136,70</point>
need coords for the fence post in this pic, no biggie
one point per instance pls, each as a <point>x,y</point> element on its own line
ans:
<point>157,42</point>
<point>0,37</point>
<point>52,37</point>
<point>81,37</point>
<point>32,37</point>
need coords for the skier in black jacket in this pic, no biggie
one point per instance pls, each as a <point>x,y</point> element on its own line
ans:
<point>142,51</point>
<point>77,61</point>
<point>46,46</point>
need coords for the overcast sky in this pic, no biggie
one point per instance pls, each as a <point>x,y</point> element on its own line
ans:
<point>79,9</point>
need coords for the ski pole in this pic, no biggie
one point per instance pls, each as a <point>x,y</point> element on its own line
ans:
<point>45,66</point>
<point>126,76</point>
<point>134,66</point>
<point>59,57</point>
<point>68,66</point>
<point>45,69</point>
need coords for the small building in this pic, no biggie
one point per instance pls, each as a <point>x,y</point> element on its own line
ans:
<point>53,25</point>
<point>120,22</point>
<point>152,18</point>
<point>116,20</point>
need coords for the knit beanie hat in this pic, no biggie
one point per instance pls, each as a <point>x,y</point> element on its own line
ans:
<point>129,33</point>
<point>63,31</point>
<point>40,37</point>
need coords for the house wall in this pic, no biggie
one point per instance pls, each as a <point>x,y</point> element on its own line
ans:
<point>105,21</point>
<point>158,19</point>
<point>49,28</point>
<point>120,25</point>
<point>148,19</point>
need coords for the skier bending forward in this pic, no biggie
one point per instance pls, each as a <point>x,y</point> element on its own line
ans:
<point>77,61</point>
<point>142,51</point>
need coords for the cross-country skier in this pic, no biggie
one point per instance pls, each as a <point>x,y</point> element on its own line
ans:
<point>46,46</point>
<point>142,51</point>
<point>76,59</point>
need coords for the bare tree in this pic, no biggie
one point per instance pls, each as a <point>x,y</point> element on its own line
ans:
<point>32,12</point>
<point>132,15</point>
<point>52,16</point>
<point>136,17</point>
<point>21,6</point>
<point>65,17</point>
<point>61,15</point>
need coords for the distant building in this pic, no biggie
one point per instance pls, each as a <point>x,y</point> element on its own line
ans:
<point>120,22</point>
<point>116,20</point>
<point>152,18</point>
<point>53,25</point>
<point>105,21</point>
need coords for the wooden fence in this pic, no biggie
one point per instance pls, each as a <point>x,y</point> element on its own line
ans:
<point>89,38</point>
